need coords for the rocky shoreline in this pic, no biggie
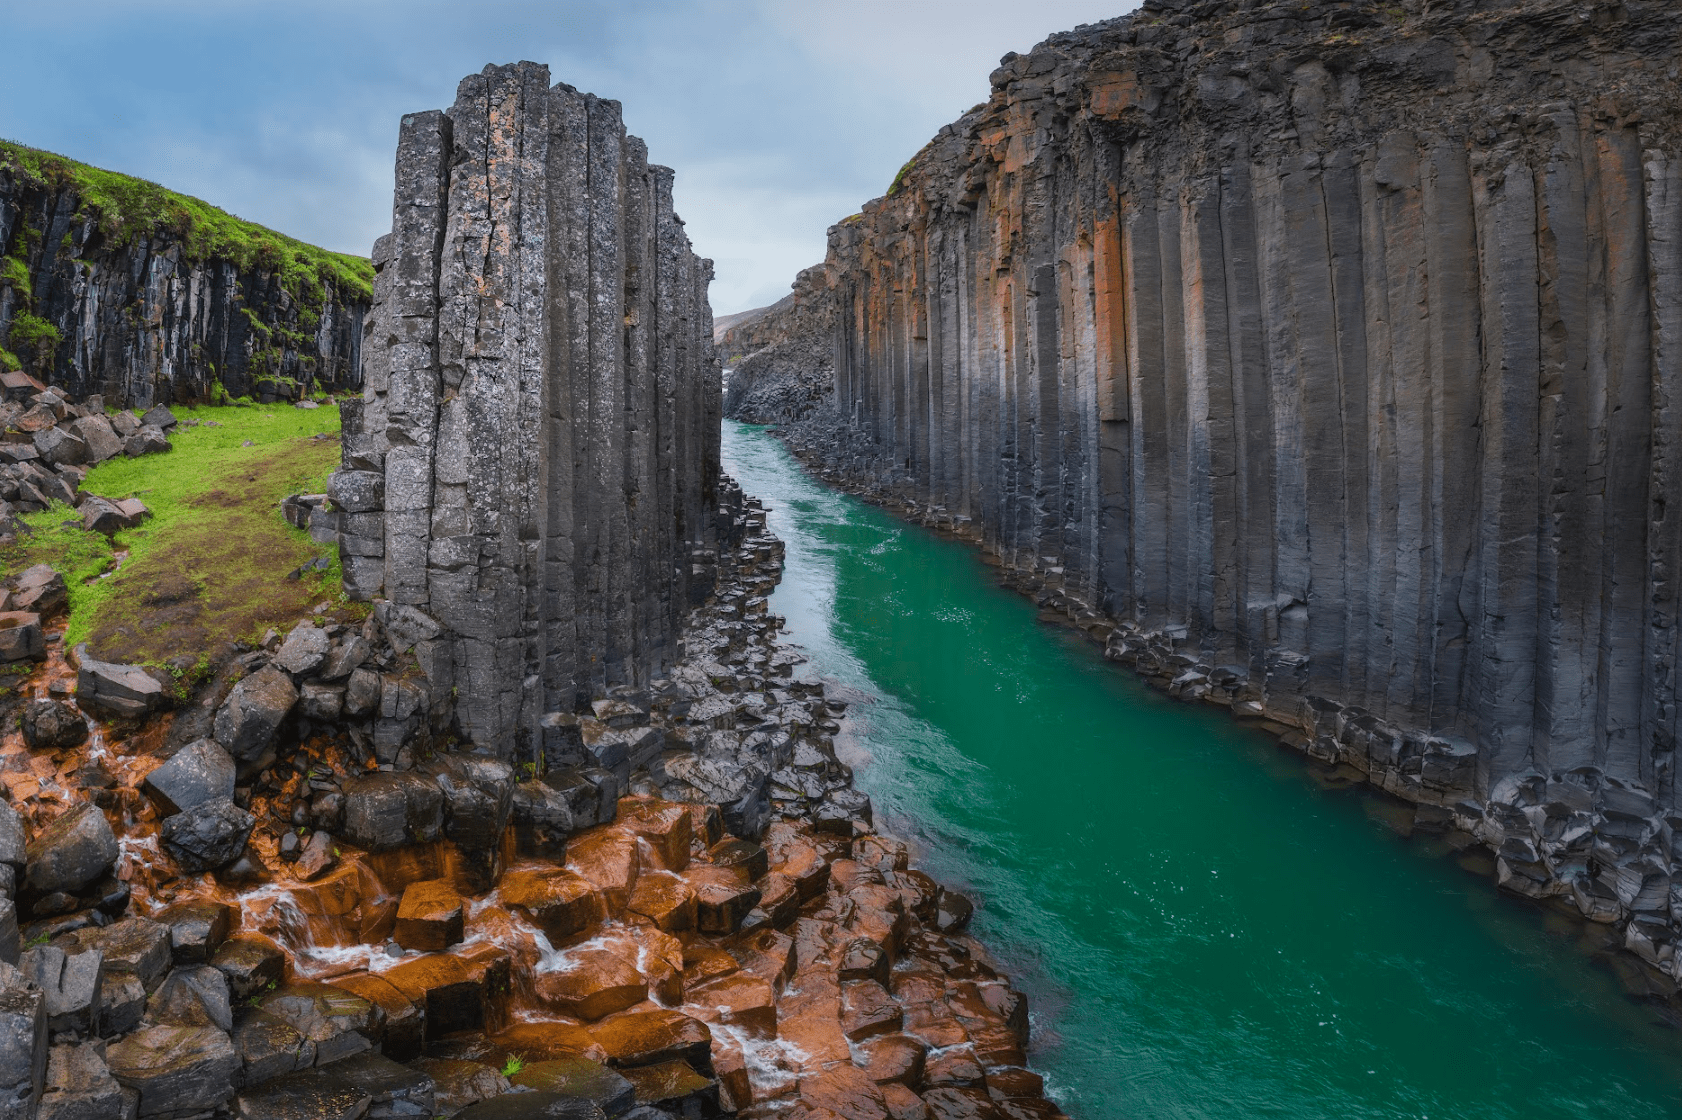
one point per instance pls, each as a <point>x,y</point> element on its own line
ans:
<point>287,898</point>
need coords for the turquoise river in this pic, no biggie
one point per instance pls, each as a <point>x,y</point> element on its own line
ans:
<point>1203,930</point>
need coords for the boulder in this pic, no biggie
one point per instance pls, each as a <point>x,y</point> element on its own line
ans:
<point>125,424</point>
<point>50,725</point>
<point>71,986</point>
<point>23,1043</point>
<point>211,834</point>
<point>101,516</point>
<point>560,902</point>
<point>395,1090</point>
<point>60,446</point>
<point>251,965</point>
<point>478,794</point>
<point>429,918</point>
<point>269,1047</point>
<point>136,946</point>
<point>124,691</point>
<point>122,1004</point>
<point>194,996</point>
<point>247,721</point>
<point>390,810</point>
<point>134,512</point>
<point>402,1023</point>
<point>74,850</point>
<point>21,636</point>
<point>197,927</point>
<point>101,440</point>
<point>39,589</point>
<point>158,416</point>
<point>147,440</point>
<point>641,1038</point>
<point>199,772</point>
<point>320,702</point>
<point>176,1069</point>
<point>591,984</point>
<point>304,651</point>
<point>80,1086</point>
<point>344,657</point>
<point>339,1023</point>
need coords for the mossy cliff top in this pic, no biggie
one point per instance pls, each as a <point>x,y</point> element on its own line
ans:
<point>127,209</point>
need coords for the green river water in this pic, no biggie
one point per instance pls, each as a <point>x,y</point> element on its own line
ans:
<point>1202,929</point>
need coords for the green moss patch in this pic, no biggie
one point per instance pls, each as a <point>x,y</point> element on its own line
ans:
<point>127,209</point>
<point>211,564</point>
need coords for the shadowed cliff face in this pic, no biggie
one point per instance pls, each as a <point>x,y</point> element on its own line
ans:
<point>781,358</point>
<point>535,459</point>
<point>147,305</point>
<point>1332,349</point>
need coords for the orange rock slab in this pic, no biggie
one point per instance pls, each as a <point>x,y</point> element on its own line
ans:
<point>430,916</point>
<point>560,902</point>
<point>592,984</point>
<point>610,860</point>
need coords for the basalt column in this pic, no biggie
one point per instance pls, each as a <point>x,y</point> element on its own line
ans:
<point>535,460</point>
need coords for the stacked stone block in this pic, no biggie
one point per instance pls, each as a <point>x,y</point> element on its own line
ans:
<point>534,462</point>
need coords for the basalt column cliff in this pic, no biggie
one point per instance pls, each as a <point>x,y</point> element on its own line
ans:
<point>1333,351</point>
<point>536,460</point>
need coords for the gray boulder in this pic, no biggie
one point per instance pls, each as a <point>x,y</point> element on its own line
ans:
<point>176,1069</point>
<point>247,721</point>
<point>60,446</point>
<point>346,656</point>
<point>304,650</point>
<point>71,985</point>
<point>39,589</point>
<point>146,441</point>
<point>478,793</point>
<point>321,702</point>
<point>21,636</point>
<point>158,416</point>
<point>269,1047</point>
<point>200,771</point>
<point>100,439</point>
<point>136,946</point>
<point>211,834</point>
<point>542,820</point>
<point>339,1022</point>
<point>195,996</point>
<point>197,928</point>
<point>50,725</point>
<point>362,694</point>
<point>125,691</point>
<point>122,1003</point>
<point>71,852</point>
<point>80,1085</point>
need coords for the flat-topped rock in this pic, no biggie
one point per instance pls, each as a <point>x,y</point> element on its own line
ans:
<point>581,1080</point>
<point>429,918</point>
<point>592,983</point>
<point>640,1038</point>
<point>337,1021</point>
<point>176,1069</point>
<point>561,902</point>
<point>610,860</point>
<point>199,772</point>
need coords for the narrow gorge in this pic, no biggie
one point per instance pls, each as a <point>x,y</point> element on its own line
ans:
<point>1319,360</point>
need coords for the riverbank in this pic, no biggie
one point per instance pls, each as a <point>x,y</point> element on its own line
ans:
<point>1198,918</point>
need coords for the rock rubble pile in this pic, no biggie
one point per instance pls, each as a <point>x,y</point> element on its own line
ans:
<point>685,910</point>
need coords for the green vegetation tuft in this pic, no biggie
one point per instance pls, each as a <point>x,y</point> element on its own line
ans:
<point>15,274</point>
<point>514,1064</point>
<point>29,332</point>
<point>128,209</point>
<point>899,179</point>
<point>211,563</point>
<point>8,361</point>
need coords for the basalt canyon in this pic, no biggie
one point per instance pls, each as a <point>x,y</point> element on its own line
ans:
<point>472,682</point>
<point>1319,360</point>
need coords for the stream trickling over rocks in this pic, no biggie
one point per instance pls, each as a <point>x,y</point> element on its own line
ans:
<point>1205,928</point>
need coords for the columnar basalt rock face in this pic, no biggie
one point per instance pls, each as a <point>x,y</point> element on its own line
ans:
<point>1332,350</point>
<point>146,318</point>
<point>535,460</point>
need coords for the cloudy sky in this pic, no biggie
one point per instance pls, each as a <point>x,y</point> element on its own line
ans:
<point>780,116</point>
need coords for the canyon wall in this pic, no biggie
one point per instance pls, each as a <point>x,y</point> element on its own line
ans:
<point>1330,352</point>
<point>780,360</point>
<point>535,459</point>
<point>114,285</point>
